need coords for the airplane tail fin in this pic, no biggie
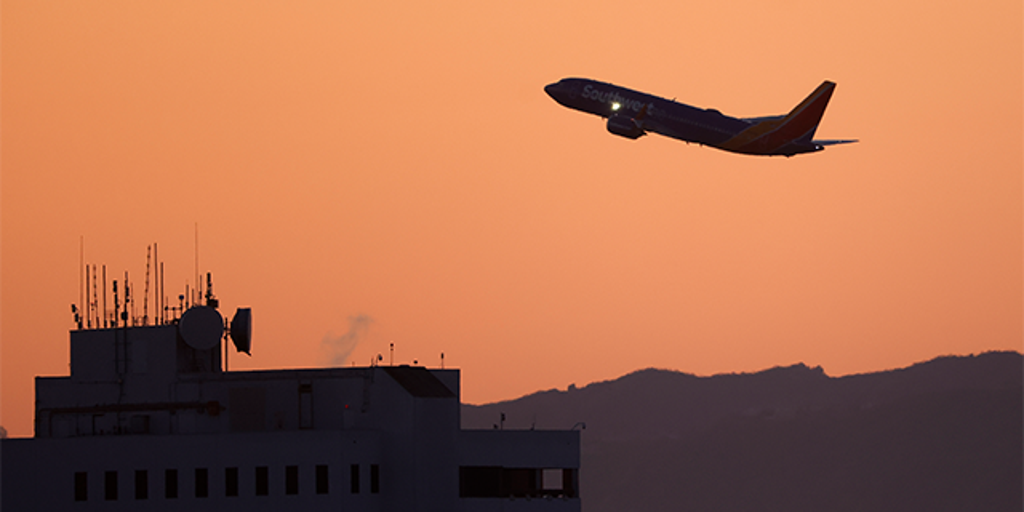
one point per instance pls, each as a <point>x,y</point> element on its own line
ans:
<point>802,121</point>
<point>790,134</point>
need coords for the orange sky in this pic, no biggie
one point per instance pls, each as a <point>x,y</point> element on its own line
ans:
<point>403,162</point>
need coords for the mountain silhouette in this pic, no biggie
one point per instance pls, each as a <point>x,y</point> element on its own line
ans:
<point>940,435</point>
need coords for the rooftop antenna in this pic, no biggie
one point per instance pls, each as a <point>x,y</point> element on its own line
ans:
<point>81,277</point>
<point>226,334</point>
<point>135,305</point>
<point>210,299</point>
<point>201,328</point>
<point>241,331</point>
<point>87,303</point>
<point>145,298</point>
<point>157,317</point>
<point>117,304</point>
<point>163,298</point>
<point>95,302</point>
<point>199,283</point>
<point>391,362</point>
<point>127,299</point>
<point>442,360</point>
<point>105,315</point>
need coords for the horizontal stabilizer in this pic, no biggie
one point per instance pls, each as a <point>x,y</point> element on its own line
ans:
<point>833,142</point>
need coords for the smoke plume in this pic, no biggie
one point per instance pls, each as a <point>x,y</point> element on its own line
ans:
<point>336,348</point>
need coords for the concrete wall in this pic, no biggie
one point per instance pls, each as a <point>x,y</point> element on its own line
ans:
<point>520,448</point>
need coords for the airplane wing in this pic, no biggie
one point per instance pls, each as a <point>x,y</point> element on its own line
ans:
<point>832,142</point>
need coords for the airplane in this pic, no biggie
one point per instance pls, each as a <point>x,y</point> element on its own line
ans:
<point>632,114</point>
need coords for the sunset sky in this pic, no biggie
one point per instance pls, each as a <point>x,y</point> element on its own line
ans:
<point>396,168</point>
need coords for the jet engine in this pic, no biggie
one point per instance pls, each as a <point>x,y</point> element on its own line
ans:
<point>625,126</point>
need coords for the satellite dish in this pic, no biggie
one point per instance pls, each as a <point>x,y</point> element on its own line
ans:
<point>201,327</point>
<point>241,330</point>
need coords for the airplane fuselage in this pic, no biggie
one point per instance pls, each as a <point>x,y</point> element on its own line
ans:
<point>632,114</point>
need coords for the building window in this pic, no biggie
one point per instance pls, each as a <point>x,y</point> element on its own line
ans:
<point>306,405</point>
<point>374,479</point>
<point>499,482</point>
<point>321,479</point>
<point>230,481</point>
<point>110,485</point>
<point>569,482</point>
<point>518,482</point>
<point>262,481</point>
<point>141,484</point>
<point>171,483</point>
<point>81,486</point>
<point>202,483</point>
<point>480,482</point>
<point>291,479</point>
<point>355,478</point>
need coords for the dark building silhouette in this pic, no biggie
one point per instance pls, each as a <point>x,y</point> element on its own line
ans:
<point>149,419</point>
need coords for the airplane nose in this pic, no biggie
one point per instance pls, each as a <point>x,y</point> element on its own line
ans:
<point>561,91</point>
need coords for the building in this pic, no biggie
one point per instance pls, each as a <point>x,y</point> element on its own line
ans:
<point>149,419</point>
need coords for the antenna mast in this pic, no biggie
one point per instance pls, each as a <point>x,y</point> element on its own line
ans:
<point>81,273</point>
<point>117,303</point>
<point>145,297</point>
<point>95,302</point>
<point>87,303</point>
<point>198,282</point>
<point>158,296</point>
<point>127,299</point>
<point>163,299</point>
<point>105,313</point>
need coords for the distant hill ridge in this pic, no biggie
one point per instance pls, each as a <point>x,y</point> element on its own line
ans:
<point>653,403</point>
<point>943,435</point>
